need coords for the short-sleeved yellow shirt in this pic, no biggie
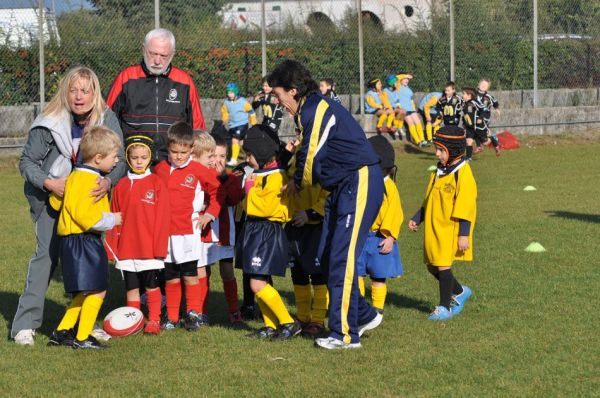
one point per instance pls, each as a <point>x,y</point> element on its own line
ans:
<point>390,216</point>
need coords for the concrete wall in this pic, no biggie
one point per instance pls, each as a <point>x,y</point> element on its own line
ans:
<point>564,110</point>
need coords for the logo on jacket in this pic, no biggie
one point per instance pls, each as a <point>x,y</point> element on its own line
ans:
<point>189,181</point>
<point>256,262</point>
<point>173,96</point>
<point>149,197</point>
<point>448,188</point>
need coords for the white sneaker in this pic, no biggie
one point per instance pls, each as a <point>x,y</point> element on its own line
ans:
<point>100,335</point>
<point>25,337</point>
<point>331,343</point>
<point>232,163</point>
<point>370,325</point>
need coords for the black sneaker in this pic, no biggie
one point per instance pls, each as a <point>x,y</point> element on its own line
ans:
<point>88,344</point>
<point>263,333</point>
<point>287,331</point>
<point>192,321</point>
<point>248,312</point>
<point>203,320</point>
<point>62,337</point>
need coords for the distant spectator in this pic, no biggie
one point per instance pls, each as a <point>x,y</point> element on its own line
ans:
<point>327,88</point>
<point>236,114</point>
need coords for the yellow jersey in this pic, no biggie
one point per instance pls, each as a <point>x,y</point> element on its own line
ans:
<point>264,199</point>
<point>79,213</point>
<point>449,199</point>
<point>310,198</point>
<point>390,216</point>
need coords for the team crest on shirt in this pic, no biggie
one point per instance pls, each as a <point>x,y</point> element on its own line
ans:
<point>188,181</point>
<point>448,188</point>
<point>149,197</point>
<point>469,109</point>
<point>317,262</point>
<point>256,262</point>
<point>173,97</point>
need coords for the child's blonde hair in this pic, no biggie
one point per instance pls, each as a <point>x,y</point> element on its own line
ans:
<point>98,140</point>
<point>203,142</point>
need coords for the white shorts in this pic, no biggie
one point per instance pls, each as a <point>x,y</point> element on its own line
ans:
<point>139,265</point>
<point>184,248</point>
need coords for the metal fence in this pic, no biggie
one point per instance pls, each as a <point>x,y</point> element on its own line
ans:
<point>518,44</point>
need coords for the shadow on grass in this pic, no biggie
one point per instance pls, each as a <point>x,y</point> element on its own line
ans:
<point>10,301</point>
<point>591,218</point>
<point>402,301</point>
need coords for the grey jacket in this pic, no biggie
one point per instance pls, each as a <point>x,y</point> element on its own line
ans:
<point>40,153</point>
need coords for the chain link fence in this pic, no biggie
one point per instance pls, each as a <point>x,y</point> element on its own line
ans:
<point>220,41</point>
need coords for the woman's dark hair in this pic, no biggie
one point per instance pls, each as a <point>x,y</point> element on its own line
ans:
<point>291,74</point>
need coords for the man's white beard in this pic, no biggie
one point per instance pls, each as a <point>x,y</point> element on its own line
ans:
<point>153,69</point>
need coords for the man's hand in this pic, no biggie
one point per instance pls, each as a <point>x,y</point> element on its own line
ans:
<point>463,243</point>
<point>290,190</point>
<point>292,145</point>
<point>413,226</point>
<point>300,218</point>
<point>102,188</point>
<point>56,186</point>
<point>387,245</point>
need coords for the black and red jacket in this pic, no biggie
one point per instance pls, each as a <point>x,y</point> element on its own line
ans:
<point>147,104</point>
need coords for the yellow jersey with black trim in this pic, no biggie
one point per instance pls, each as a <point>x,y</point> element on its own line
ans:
<point>310,198</point>
<point>390,217</point>
<point>449,198</point>
<point>79,212</point>
<point>264,199</point>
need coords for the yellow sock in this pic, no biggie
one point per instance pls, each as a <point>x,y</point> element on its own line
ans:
<point>302,294</point>
<point>390,120</point>
<point>381,120</point>
<point>420,132</point>
<point>271,298</point>
<point>71,316</point>
<point>320,304</point>
<point>429,131</point>
<point>378,294</point>
<point>412,129</point>
<point>89,313</point>
<point>235,151</point>
<point>400,123</point>
<point>268,315</point>
<point>361,285</point>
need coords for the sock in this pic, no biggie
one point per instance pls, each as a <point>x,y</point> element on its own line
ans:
<point>193,298</point>
<point>271,298</point>
<point>412,129</point>
<point>248,295</point>
<point>173,294</point>
<point>378,294</point>
<point>419,127</point>
<point>446,285</point>
<point>381,120</point>
<point>400,123</point>
<point>457,289</point>
<point>231,295</point>
<point>494,140</point>
<point>204,288</point>
<point>89,312</point>
<point>235,151</point>
<point>302,295</point>
<point>361,285</point>
<point>153,301</point>
<point>390,120</point>
<point>469,154</point>
<point>320,304</point>
<point>71,316</point>
<point>134,304</point>
<point>429,131</point>
<point>268,316</point>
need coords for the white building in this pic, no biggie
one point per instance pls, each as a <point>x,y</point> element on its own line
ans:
<point>390,15</point>
<point>19,25</point>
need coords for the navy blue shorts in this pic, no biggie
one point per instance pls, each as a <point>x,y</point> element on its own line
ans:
<point>84,263</point>
<point>262,248</point>
<point>378,265</point>
<point>238,133</point>
<point>304,246</point>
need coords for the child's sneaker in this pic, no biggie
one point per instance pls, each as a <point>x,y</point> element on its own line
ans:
<point>25,337</point>
<point>235,318</point>
<point>61,337</point>
<point>100,335</point>
<point>263,333</point>
<point>152,327</point>
<point>287,331</point>
<point>192,322</point>
<point>497,149</point>
<point>458,301</point>
<point>232,163</point>
<point>331,343</point>
<point>312,329</point>
<point>169,325</point>
<point>248,312</point>
<point>370,325</point>
<point>440,313</point>
<point>88,344</point>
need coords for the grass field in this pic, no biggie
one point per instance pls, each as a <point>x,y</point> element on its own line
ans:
<point>531,328</point>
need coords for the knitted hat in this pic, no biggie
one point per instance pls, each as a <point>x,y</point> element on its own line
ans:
<point>452,140</point>
<point>261,143</point>
<point>141,140</point>
<point>233,88</point>
<point>384,150</point>
<point>390,80</point>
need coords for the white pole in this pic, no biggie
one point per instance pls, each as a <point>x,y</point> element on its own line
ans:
<point>41,53</point>
<point>535,54</point>
<point>263,38</point>
<point>361,63</point>
<point>156,14</point>
<point>452,65</point>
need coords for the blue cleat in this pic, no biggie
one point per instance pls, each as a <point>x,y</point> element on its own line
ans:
<point>441,313</point>
<point>458,301</point>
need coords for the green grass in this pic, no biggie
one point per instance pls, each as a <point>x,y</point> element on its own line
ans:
<point>531,328</point>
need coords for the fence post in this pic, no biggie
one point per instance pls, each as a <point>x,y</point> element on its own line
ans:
<point>452,65</point>
<point>535,53</point>
<point>41,53</point>
<point>263,37</point>
<point>361,62</point>
<point>156,14</point>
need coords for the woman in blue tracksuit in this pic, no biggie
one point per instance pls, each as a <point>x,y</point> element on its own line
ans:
<point>335,153</point>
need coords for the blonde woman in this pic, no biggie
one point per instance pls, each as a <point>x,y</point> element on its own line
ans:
<point>47,159</point>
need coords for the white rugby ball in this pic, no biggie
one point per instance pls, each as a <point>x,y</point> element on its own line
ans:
<point>123,321</point>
